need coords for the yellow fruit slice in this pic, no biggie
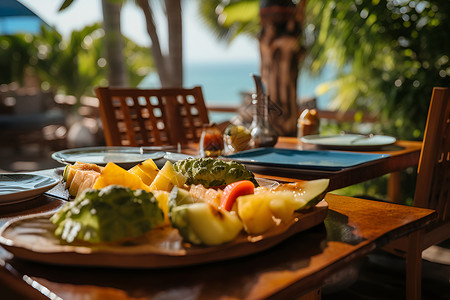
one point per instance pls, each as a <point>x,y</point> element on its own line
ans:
<point>136,170</point>
<point>163,202</point>
<point>167,178</point>
<point>113,174</point>
<point>146,170</point>
<point>255,213</point>
<point>149,167</point>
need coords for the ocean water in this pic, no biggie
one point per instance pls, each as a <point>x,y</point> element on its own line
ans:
<point>223,82</point>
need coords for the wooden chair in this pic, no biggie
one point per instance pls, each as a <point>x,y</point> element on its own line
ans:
<point>432,190</point>
<point>151,117</point>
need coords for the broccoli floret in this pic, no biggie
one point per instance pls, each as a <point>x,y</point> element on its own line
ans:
<point>212,172</point>
<point>107,215</point>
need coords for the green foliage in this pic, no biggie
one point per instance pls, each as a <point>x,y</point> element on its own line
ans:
<point>390,55</point>
<point>228,19</point>
<point>65,5</point>
<point>68,64</point>
<point>138,60</point>
<point>15,55</point>
<point>72,66</point>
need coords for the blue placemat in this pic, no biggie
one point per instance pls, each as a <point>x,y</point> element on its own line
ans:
<point>304,159</point>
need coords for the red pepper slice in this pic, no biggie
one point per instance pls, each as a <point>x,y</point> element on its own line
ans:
<point>234,190</point>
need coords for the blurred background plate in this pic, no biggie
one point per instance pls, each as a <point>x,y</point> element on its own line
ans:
<point>21,187</point>
<point>349,141</point>
<point>126,157</point>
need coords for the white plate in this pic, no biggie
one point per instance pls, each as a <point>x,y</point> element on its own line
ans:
<point>21,187</point>
<point>125,157</point>
<point>349,141</point>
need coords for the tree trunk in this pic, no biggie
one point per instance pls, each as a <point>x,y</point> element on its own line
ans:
<point>158,57</point>
<point>281,55</point>
<point>117,71</point>
<point>173,8</point>
<point>170,66</point>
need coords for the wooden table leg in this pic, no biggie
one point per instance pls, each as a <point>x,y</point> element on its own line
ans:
<point>414,266</point>
<point>394,187</point>
<point>314,295</point>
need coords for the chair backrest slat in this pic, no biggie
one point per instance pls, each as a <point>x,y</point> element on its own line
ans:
<point>145,117</point>
<point>433,179</point>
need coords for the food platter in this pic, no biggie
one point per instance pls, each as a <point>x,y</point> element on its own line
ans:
<point>32,238</point>
<point>125,157</point>
<point>17,187</point>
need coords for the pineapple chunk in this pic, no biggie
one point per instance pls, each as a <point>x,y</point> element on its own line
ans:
<point>136,170</point>
<point>149,167</point>
<point>112,174</point>
<point>268,207</point>
<point>163,202</point>
<point>147,171</point>
<point>167,178</point>
<point>254,212</point>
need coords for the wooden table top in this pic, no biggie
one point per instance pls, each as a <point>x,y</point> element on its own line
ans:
<point>401,155</point>
<point>352,229</point>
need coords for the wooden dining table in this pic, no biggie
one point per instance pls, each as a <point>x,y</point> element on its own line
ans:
<point>398,157</point>
<point>296,267</point>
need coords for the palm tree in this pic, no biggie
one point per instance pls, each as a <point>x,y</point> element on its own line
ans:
<point>74,66</point>
<point>169,66</point>
<point>278,25</point>
<point>117,75</point>
<point>281,56</point>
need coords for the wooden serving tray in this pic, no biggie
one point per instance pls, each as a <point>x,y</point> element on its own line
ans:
<point>32,238</point>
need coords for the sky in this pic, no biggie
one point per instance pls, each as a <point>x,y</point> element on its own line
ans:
<point>199,43</point>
